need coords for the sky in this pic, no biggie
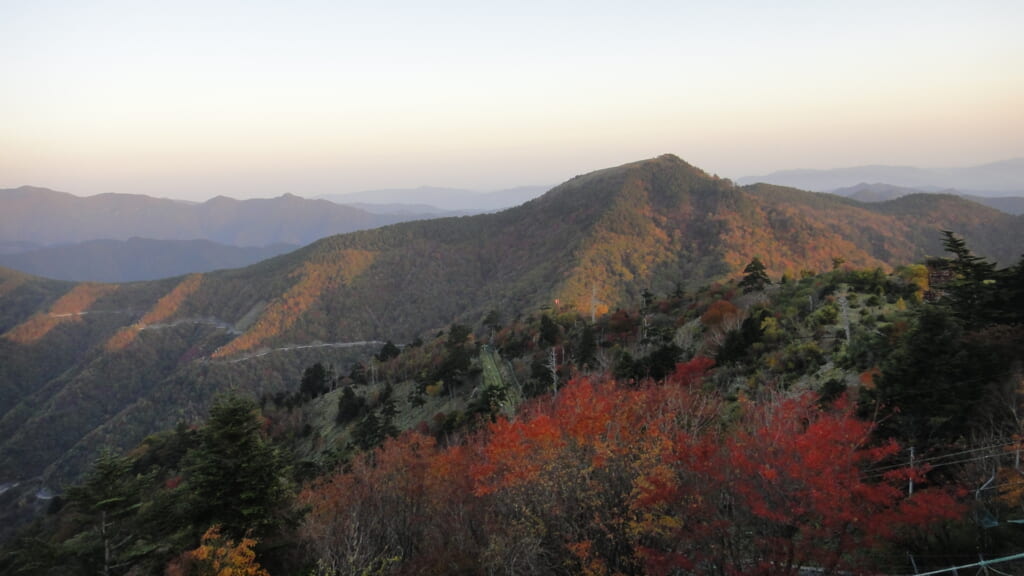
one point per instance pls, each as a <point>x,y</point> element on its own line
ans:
<point>258,98</point>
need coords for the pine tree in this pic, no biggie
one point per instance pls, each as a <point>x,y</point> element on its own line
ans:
<point>350,405</point>
<point>755,278</point>
<point>388,351</point>
<point>974,291</point>
<point>316,380</point>
<point>368,432</point>
<point>927,387</point>
<point>110,495</point>
<point>587,349</point>
<point>235,475</point>
<point>549,332</point>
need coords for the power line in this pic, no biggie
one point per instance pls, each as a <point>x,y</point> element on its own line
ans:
<point>980,564</point>
<point>969,450</point>
<point>938,461</point>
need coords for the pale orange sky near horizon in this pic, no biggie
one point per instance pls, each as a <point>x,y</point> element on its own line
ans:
<point>254,99</point>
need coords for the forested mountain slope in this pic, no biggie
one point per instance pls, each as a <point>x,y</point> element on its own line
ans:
<point>91,364</point>
<point>606,445</point>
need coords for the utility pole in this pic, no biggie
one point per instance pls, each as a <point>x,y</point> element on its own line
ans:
<point>910,489</point>
<point>845,308</point>
<point>553,367</point>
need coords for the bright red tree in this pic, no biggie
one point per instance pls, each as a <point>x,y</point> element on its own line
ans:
<point>610,479</point>
<point>788,487</point>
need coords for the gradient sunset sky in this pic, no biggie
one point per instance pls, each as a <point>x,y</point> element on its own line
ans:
<point>257,98</point>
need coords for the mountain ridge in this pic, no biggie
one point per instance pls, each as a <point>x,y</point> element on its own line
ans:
<point>881,192</point>
<point>135,259</point>
<point>157,352</point>
<point>46,217</point>
<point>1001,178</point>
<point>440,198</point>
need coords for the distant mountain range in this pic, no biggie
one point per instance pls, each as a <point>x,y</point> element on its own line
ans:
<point>125,237</point>
<point>885,192</point>
<point>86,365</point>
<point>100,238</point>
<point>15,247</point>
<point>439,199</point>
<point>879,192</point>
<point>45,217</point>
<point>136,259</point>
<point>1005,178</point>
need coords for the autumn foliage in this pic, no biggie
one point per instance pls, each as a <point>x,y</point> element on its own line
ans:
<point>172,301</point>
<point>166,307</point>
<point>218,555</point>
<point>9,284</point>
<point>718,312</point>
<point>68,308</point>
<point>313,279</point>
<point>611,479</point>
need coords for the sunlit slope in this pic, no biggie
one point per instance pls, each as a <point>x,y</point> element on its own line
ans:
<point>597,241</point>
<point>115,363</point>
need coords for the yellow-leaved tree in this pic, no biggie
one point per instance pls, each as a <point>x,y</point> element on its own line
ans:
<point>218,555</point>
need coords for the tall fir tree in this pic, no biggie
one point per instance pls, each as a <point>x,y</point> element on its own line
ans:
<point>755,278</point>
<point>235,476</point>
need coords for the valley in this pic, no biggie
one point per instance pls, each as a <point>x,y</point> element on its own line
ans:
<point>619,277</point>
<point>594,243</point>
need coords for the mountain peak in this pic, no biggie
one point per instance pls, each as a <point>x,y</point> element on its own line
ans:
<point>673,162</point>
<point>597,242</point>
<point>669,157</point>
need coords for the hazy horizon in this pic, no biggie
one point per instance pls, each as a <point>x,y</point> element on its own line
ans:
<point>193,100</point>
<point>780,175</point>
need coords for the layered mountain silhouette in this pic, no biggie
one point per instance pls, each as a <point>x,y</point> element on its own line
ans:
<point>44,217</point>
<point>879,192</point>
<point>85,365</point>
<point>125,237</point>
<point>428,199</point>
<point>136,259</point>
<point>1004,178</point>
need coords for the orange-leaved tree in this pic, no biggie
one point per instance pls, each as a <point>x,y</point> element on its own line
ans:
<point>789,486</point>
<point>218,555</point>
<point>605,478</point>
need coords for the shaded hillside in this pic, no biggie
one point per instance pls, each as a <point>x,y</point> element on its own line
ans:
<point>17,247</point>
<point>433,199</point>
<point>883,192</point>
<point>136,259</point>
<point>94,364</point>
<point>997,235</point>
<point>42,216</point>
<point>731,393</point>
<point>1001,178</point>
<point>877,192</point>
<point>1009,204</point>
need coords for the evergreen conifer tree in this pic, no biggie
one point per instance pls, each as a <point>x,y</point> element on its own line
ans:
<point>235,475</point>
<point>755,278</point>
